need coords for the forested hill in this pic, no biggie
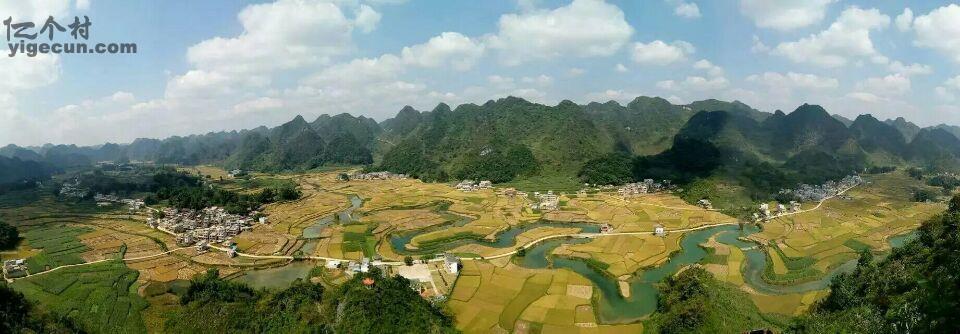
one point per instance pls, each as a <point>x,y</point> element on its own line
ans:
<point>508,138</point>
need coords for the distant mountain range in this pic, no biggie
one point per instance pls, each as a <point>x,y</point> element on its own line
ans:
<point>510,137</point>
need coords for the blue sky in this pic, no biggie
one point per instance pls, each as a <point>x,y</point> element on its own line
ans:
<point>224,65</point>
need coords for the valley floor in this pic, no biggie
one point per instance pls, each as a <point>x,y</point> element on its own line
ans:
<point>571,276</point>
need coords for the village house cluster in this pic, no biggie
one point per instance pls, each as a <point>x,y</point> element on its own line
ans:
<point>765,213</point>
<point>705,203</point>
<point>236,173</point>
<point>470,185</point>
<point>73,189</point>
<point>816,193</point>
<point>377,176</point>
<point>106,200</point>
<point>546,202</point>
<point>14,268</point>
<point>210,225</point>
<point>638,188</point>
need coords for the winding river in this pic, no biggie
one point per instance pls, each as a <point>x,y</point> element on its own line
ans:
<point>612,307</point>
<point>504,239</point>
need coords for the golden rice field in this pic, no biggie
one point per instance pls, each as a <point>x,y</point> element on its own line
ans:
<point>489,295</point>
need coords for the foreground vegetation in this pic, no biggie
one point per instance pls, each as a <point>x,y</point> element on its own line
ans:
<point>97,297</point>
<point>367,303</point>
<point>694,302</point>
<point>915,289</point>
<point>17,315</point>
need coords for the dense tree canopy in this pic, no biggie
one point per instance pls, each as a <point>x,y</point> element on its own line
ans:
<point>613,169</point>
<point>387,305</point>
<point>9,236</point>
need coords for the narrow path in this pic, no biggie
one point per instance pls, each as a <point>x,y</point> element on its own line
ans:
<point>98,261</point>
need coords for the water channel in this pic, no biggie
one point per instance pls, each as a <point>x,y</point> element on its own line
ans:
<point>281,277</point>
<point>312,233</point>
<point>612,307</point>
<point>504,239</point>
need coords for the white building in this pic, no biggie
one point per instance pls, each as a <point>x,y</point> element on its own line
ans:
<point>547,202</point>
<point>658,230</point>
<point>466,185</point>
<point>452,263</point>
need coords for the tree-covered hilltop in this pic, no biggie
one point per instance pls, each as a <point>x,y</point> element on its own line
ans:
<point>469,139</point>
<point>916,289</point>
<point>732,158</point>
<point>367,303</point>
<point>694,301</point>
<point>16,173</point>
<point>450,143</point>
<point>512,138</point>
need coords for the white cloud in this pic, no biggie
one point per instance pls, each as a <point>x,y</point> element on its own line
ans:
<point>22,73</point>
<point>911,69</point>
<point>784,14</point>
<point>694,83</point>
<point>710,68</point>
<point>891,85</point>
<point>688,10</point>
<point>848,37</point>
<point>258,105</point>
<point>278,35</point>
<point>792,80</point>
<point>865,97</point>
<point>904,20</point>
<point>528,5</point>
<point>576,71</point>
<point>940,30</point>
<point>541,80</point>
<point>758,46</point>
<point>618,95</point>
<point>953,82</point>
<point>660,53</point>
<point>621,68</point>
<point>358,72</point>
<point>776,90</point>
<point>366,18</point>
<point>201,84</point>
<point>945,94</point>
<point>448,48</point>
<point>584,28</point>
<point>82,123</point>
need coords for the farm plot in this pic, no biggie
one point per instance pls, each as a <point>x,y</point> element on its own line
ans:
<point>99,296</point>
<point>489,297</point>
<point>59,244</point>
<point>813,243</point>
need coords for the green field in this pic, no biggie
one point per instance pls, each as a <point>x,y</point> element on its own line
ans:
<point>59,244</point>
<point>101,297</point>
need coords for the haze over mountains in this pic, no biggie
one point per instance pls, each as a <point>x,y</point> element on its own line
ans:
<point>512,137</point>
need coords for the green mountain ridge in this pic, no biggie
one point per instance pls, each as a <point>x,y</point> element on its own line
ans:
<point>529,139</point>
